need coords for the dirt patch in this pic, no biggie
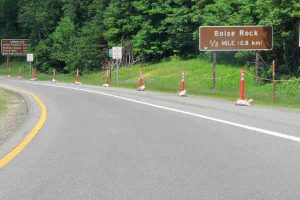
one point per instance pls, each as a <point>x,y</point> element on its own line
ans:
<point>13,114</point>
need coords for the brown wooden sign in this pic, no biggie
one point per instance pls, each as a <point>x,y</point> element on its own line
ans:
<point>235,38</point>
<point>14,47</point>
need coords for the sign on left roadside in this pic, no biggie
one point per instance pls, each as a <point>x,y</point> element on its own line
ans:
<point>30,57</point>
<point>117,53</point>
<point>14,47</point>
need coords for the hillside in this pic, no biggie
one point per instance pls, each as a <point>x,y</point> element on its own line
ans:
<point>166,76</point>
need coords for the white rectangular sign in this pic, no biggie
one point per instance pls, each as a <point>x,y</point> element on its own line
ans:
<point>117,53</point>
<point>29,57</point>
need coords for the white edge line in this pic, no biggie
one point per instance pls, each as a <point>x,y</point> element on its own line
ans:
<point>264,131</point>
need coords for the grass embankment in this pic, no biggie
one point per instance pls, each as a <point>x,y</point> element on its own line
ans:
<point>166,77</point>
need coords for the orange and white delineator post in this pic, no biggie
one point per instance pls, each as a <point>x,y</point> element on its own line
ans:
<point>8,72</point>
<point>20,76</point>
<point>33,75</point>
<point>141,86</point>
<point>77,79</point>
<point>53,76</point>
<point>182,92</point>
<point>242,101</point>
<point>242,85</point>
<point>106,84</point>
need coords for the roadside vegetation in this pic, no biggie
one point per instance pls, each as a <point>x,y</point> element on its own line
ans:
<point>166,76</point>
<point>68,34</point>
<point>2,101</point>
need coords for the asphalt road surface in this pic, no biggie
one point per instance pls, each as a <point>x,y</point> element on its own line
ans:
<point>120,144</point>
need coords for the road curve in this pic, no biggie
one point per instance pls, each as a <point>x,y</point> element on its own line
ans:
<point>107,143</point>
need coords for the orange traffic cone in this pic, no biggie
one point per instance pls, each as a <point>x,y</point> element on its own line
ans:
<point>242,101</point>
<point>33,75</point>
<point>53,76</point>
<point>106,84</point>
<point>141,86</point>
<point>182,92</point>
<point>8,72</point>
<point>77,80</point>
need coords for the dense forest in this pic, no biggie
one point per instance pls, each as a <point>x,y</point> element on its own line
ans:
<point>66,34</point>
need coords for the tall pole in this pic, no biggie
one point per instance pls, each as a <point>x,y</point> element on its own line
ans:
<point>214,69</point>
<point>7,65</point>
<point>274,82</point>
<point>30,69</point>
<point>256,67</point>
<point>118,72</point>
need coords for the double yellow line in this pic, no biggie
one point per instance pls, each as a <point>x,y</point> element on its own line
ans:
<point>29,137</point>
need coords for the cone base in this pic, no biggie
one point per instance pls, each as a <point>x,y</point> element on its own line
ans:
<point>182,93</point>
<point>105,85</point>
<point>141,88</point>
<point>243,102</point>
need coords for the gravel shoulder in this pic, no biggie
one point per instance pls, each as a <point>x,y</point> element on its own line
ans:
<point>12,115</point>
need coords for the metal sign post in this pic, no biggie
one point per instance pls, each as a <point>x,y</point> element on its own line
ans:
<point>117,55</point>
<point>118,72</point>
<point>30,59</point>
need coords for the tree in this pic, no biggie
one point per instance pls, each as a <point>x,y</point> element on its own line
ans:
<point>39,18</point>
<point>62,40</point>
<point>284,17</point>
<point>170,28</point>
<point>9,26</point>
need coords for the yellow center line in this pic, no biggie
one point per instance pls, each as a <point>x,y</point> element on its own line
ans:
<point>33,133</point>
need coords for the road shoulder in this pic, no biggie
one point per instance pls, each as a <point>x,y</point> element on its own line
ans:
<point>19,131</point>
<point>14,114</point>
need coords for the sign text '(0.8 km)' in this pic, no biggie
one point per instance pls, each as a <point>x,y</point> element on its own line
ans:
<point>235,38</point>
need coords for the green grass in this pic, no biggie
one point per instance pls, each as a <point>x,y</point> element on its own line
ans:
<point>166,77</point>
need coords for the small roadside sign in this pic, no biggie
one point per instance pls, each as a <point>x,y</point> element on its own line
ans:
<point>117,53</point>
<point>110,53</point>
<point>30,57</point>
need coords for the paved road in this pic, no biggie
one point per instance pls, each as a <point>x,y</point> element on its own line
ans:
<point>117,144</point>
